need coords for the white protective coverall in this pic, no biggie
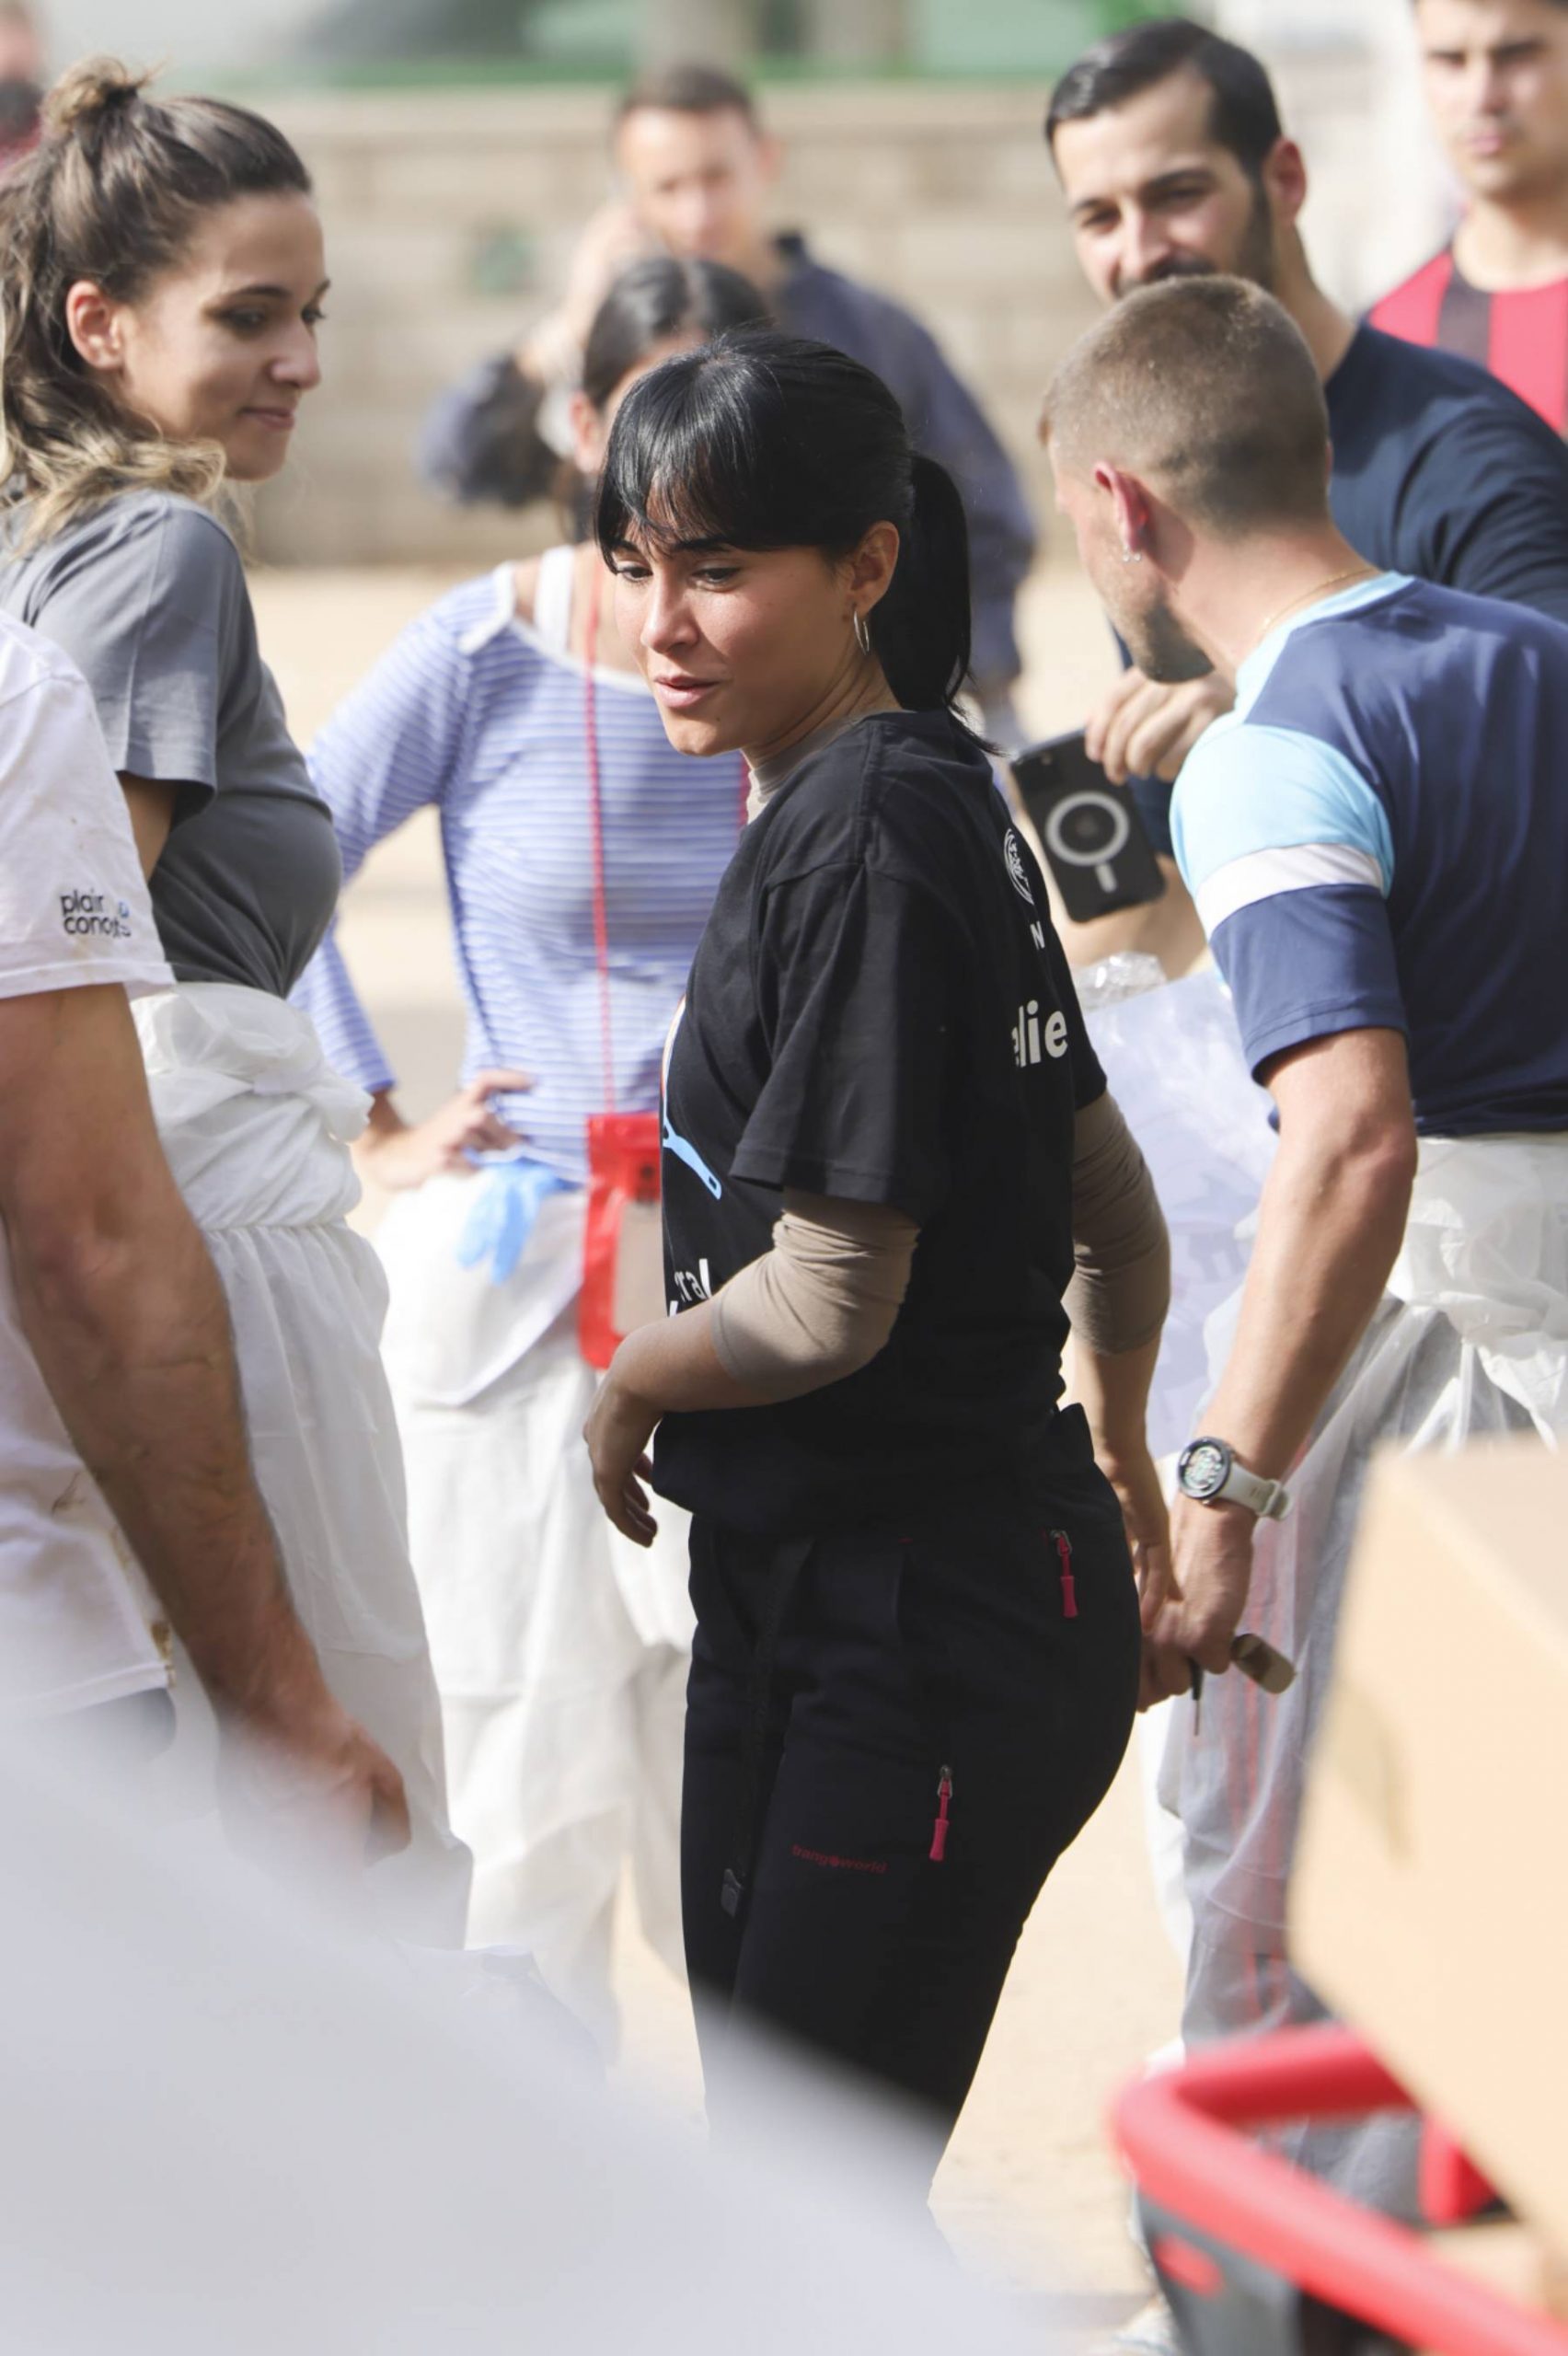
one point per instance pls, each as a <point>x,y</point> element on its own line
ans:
<point>1470,1341</point>
<point>561,1649</point>
<point>257,1128</point>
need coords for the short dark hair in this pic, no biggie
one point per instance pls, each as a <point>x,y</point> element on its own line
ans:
<point>1243,110</point>
<point>766,440</point>
<point>1204,386</point>
<point>688,89</point>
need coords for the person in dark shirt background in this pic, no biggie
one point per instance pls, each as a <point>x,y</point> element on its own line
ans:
<point>1496,75</point>
<point>1171,153</point>
<point>697,171</point>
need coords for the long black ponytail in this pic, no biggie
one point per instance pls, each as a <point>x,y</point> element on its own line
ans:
<point>766,440</point>
<point>921,628</point>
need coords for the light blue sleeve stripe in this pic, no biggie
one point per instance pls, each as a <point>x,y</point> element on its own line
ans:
<point>1258,669</point>
<point>1247,787</point>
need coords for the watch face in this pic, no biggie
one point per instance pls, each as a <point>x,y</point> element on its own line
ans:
<point>1205,1469</point>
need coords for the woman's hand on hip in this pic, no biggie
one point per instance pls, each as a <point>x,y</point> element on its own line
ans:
<point>618,1431</point>
<point>400,1155</point>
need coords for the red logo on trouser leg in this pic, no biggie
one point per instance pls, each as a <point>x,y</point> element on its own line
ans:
<point>839,1864</point>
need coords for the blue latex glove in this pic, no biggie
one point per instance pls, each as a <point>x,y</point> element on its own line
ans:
<point>508,1201</point>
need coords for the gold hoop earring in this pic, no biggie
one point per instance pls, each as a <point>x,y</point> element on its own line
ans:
<point>862,633</point>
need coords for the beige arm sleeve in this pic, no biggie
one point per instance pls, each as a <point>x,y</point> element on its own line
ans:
<point>820,1304</point>
<point>1119,1296</point>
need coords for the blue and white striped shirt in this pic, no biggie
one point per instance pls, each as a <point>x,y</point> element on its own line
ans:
<point>481,715</point>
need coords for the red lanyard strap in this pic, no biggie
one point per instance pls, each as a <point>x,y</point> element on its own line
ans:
<point>596,839</point>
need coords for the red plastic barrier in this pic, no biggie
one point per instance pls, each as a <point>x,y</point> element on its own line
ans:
<point>1180,2132</point>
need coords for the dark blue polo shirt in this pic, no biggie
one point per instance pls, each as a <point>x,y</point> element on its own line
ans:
<point>1377,838</point>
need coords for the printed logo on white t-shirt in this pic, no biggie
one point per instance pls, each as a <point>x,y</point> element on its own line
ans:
<point>84,914</point>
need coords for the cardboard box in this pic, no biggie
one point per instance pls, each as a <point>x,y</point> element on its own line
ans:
<point>1508,2258</point>
<point>1430,1901</point>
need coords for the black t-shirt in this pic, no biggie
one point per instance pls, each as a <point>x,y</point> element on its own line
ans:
<point>879,1010</point>
<point>1442,472</point>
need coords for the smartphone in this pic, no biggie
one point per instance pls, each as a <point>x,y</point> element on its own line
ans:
<point>1090,830</point>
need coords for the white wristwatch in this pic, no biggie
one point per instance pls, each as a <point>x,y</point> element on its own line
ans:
<point>1207,1472</point>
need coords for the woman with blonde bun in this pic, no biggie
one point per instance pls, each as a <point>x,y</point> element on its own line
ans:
<point>161,280</point>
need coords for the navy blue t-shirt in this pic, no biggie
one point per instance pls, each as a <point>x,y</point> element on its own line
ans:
<point>1441,472</point>
<point>1377,838</point>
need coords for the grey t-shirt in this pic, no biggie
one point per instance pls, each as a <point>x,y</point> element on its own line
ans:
<point>148,595</point>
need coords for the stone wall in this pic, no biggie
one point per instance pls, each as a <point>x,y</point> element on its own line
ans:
<point>449,218</point>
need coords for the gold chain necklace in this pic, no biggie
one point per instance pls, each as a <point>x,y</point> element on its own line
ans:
<point>1353,572</point>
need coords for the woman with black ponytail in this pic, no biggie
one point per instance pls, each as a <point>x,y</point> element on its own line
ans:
<point>885,1132</point>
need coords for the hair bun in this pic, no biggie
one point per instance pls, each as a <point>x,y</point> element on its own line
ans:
<point>89,92</point>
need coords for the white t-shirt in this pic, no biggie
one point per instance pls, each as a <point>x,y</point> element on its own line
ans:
<point>79,1623</point>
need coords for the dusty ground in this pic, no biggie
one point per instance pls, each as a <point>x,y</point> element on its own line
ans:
<point>1030,2186</point>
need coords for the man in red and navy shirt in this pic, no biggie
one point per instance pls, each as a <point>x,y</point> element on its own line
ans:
<point>1497,82</point>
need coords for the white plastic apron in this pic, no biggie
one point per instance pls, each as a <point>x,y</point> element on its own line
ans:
<point>1173,1059</point>
<point>1470,1340</point>
<point>256,1126</point>
<point>561,1649</point>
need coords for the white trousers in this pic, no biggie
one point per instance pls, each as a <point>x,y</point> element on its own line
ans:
<point>255,1127</point>
<point>560,1650</point>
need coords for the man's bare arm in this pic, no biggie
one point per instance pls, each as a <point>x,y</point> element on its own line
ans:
<point>1329,1228</point>
<point>124,1313</point>
<point>1331,1219</point>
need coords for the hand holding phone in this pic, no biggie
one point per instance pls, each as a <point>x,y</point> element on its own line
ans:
<point>1090,830</point>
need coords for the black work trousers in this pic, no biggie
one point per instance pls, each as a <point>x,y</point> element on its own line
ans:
<point>893,1733</point>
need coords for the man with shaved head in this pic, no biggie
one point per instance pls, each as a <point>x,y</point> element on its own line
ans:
<point>1375,840</point>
